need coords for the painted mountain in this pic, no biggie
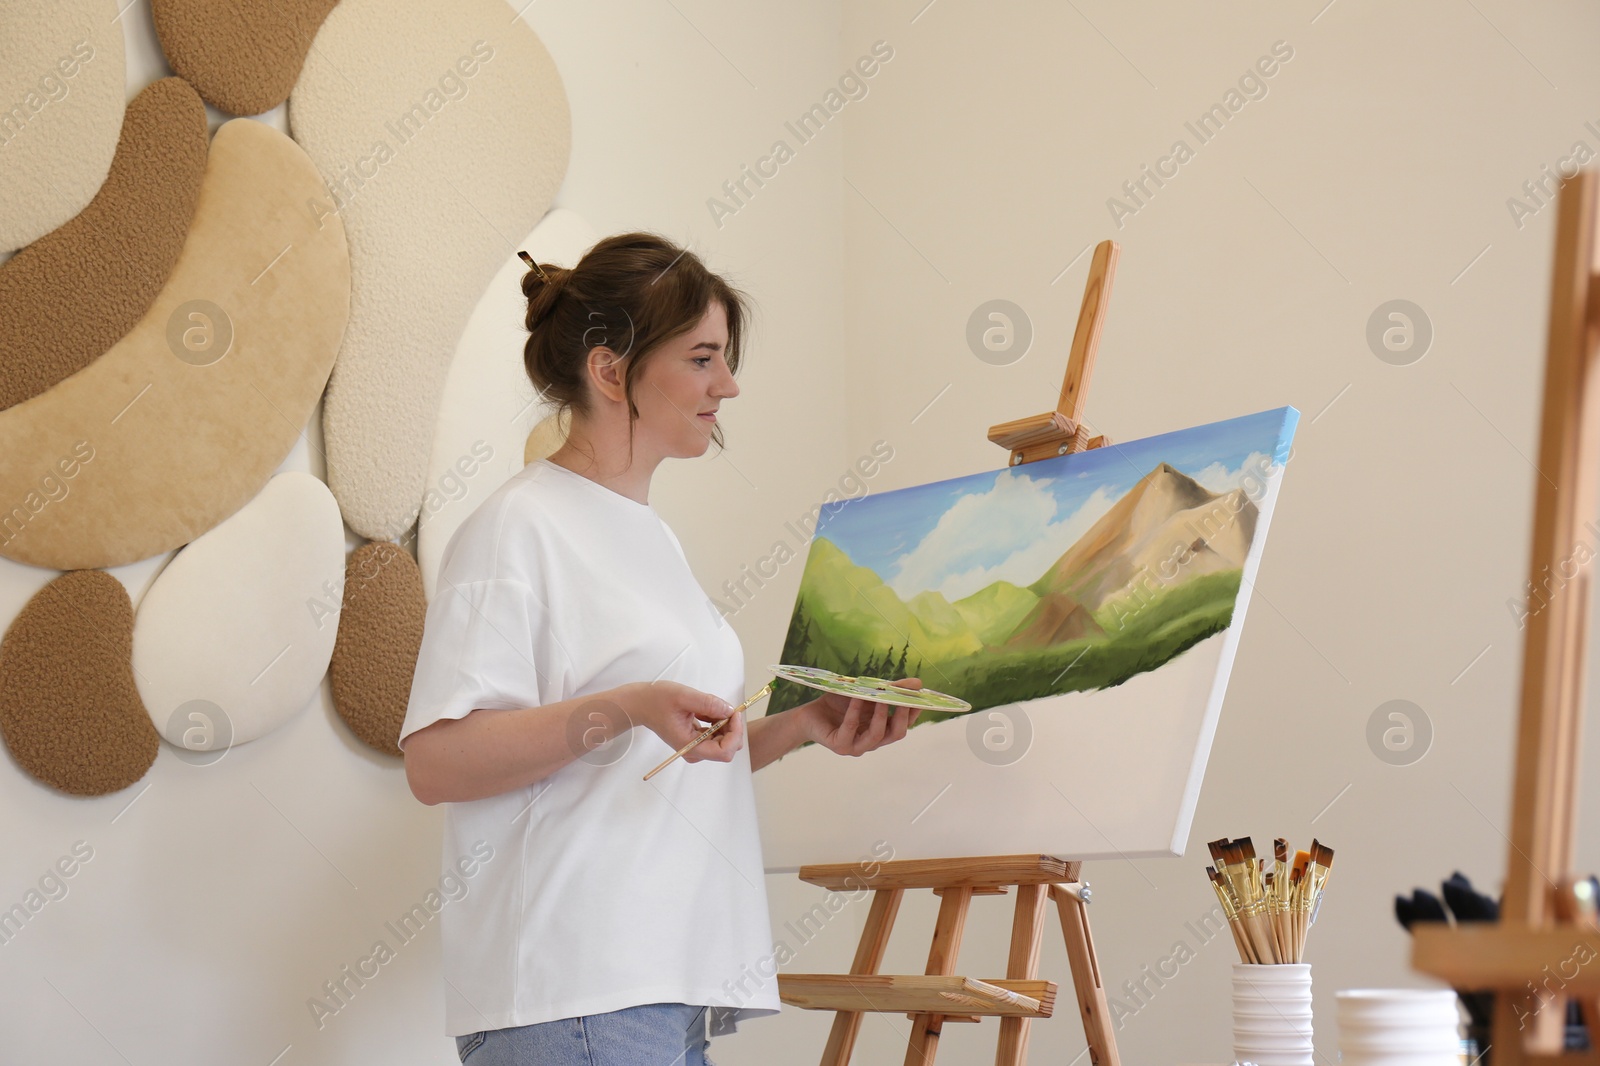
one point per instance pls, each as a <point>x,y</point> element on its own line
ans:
<point>1068,574</point>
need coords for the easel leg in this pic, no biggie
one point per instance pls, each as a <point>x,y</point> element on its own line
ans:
<point>925,1028</point>
<point>1555,643</point>
<point>1590,1006</point>
<point>869,956</point>
<point>1086,979</point>
<point>1027,932</point>
<point>1529,1031</point>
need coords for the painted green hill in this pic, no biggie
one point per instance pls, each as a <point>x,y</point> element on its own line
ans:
<point>996,610</point>
<point>862,612</point>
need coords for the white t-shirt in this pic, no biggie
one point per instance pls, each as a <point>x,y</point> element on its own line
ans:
<point>604,890</point>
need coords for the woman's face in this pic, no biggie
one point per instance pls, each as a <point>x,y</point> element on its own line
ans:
<point>682,384</point>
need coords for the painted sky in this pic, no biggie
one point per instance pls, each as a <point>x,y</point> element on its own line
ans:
<point>959,535</point>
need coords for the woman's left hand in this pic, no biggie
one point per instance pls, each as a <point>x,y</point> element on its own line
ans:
<point>850,725</point>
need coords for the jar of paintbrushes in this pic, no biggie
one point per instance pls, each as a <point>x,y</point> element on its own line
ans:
<point>1270,905</point>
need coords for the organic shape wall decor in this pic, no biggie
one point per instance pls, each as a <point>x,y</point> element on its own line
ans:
<point>380,634</point>
<point>76,291</point>
<point>234,636</point>
<point>185,419</point>
<point>243,56</point>
<point>444,131</point>
<point>69,710</point>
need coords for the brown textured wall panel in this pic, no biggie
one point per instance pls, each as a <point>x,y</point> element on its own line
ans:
<point>76,291</point>
<point>380,635</point>
<point>69,710</point>
<point>245,55</point>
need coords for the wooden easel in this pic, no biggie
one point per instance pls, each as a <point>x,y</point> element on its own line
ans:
<point>1545,928</point>
<point>938,996</point>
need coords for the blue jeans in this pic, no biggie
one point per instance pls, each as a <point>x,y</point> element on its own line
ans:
<point>654,1034</point>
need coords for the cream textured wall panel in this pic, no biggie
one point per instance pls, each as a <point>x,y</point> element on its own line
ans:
<point>444,132</point>
<point>76,291</point>
<point>544,439</point>
<point>489,404</point>
<point>234,636</point>
<point>62,94</point>
<point>184,420</point>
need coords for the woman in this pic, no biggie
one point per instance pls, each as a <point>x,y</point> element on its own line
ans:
<point>606,917</point>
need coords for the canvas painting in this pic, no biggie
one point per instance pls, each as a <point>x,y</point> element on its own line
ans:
<point>1087,606</point>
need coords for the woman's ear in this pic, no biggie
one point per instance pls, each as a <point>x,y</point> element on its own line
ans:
<point>606,373</point>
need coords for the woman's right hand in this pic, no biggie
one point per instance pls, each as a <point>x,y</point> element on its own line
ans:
<point>677,714</point>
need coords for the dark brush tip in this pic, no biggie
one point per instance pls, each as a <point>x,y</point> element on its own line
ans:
<point>1427,907</point>
<point>1404,913</point>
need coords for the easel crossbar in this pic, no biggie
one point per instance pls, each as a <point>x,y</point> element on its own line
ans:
<point>971,872</point>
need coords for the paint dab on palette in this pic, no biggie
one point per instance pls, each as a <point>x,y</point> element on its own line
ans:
<point>872,688</point>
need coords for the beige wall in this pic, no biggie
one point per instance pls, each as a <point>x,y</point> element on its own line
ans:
<point>1377,166</point>
<point>978,166</point>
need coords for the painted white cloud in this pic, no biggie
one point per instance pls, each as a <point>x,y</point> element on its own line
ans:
<point>1014,521</point>
<point>1218,478</point>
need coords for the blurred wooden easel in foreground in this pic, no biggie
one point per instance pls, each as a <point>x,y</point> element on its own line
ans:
<point>938,996</point>
<point>1545,949</point>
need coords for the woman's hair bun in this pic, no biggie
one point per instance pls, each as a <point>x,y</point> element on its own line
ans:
<point>533,281</point>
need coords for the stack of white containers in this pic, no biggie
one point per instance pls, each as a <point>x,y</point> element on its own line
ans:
<point>1399,1027</point>
<point>1272,1014</point>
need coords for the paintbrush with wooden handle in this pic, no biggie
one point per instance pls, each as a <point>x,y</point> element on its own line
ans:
<point>708,730</point>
